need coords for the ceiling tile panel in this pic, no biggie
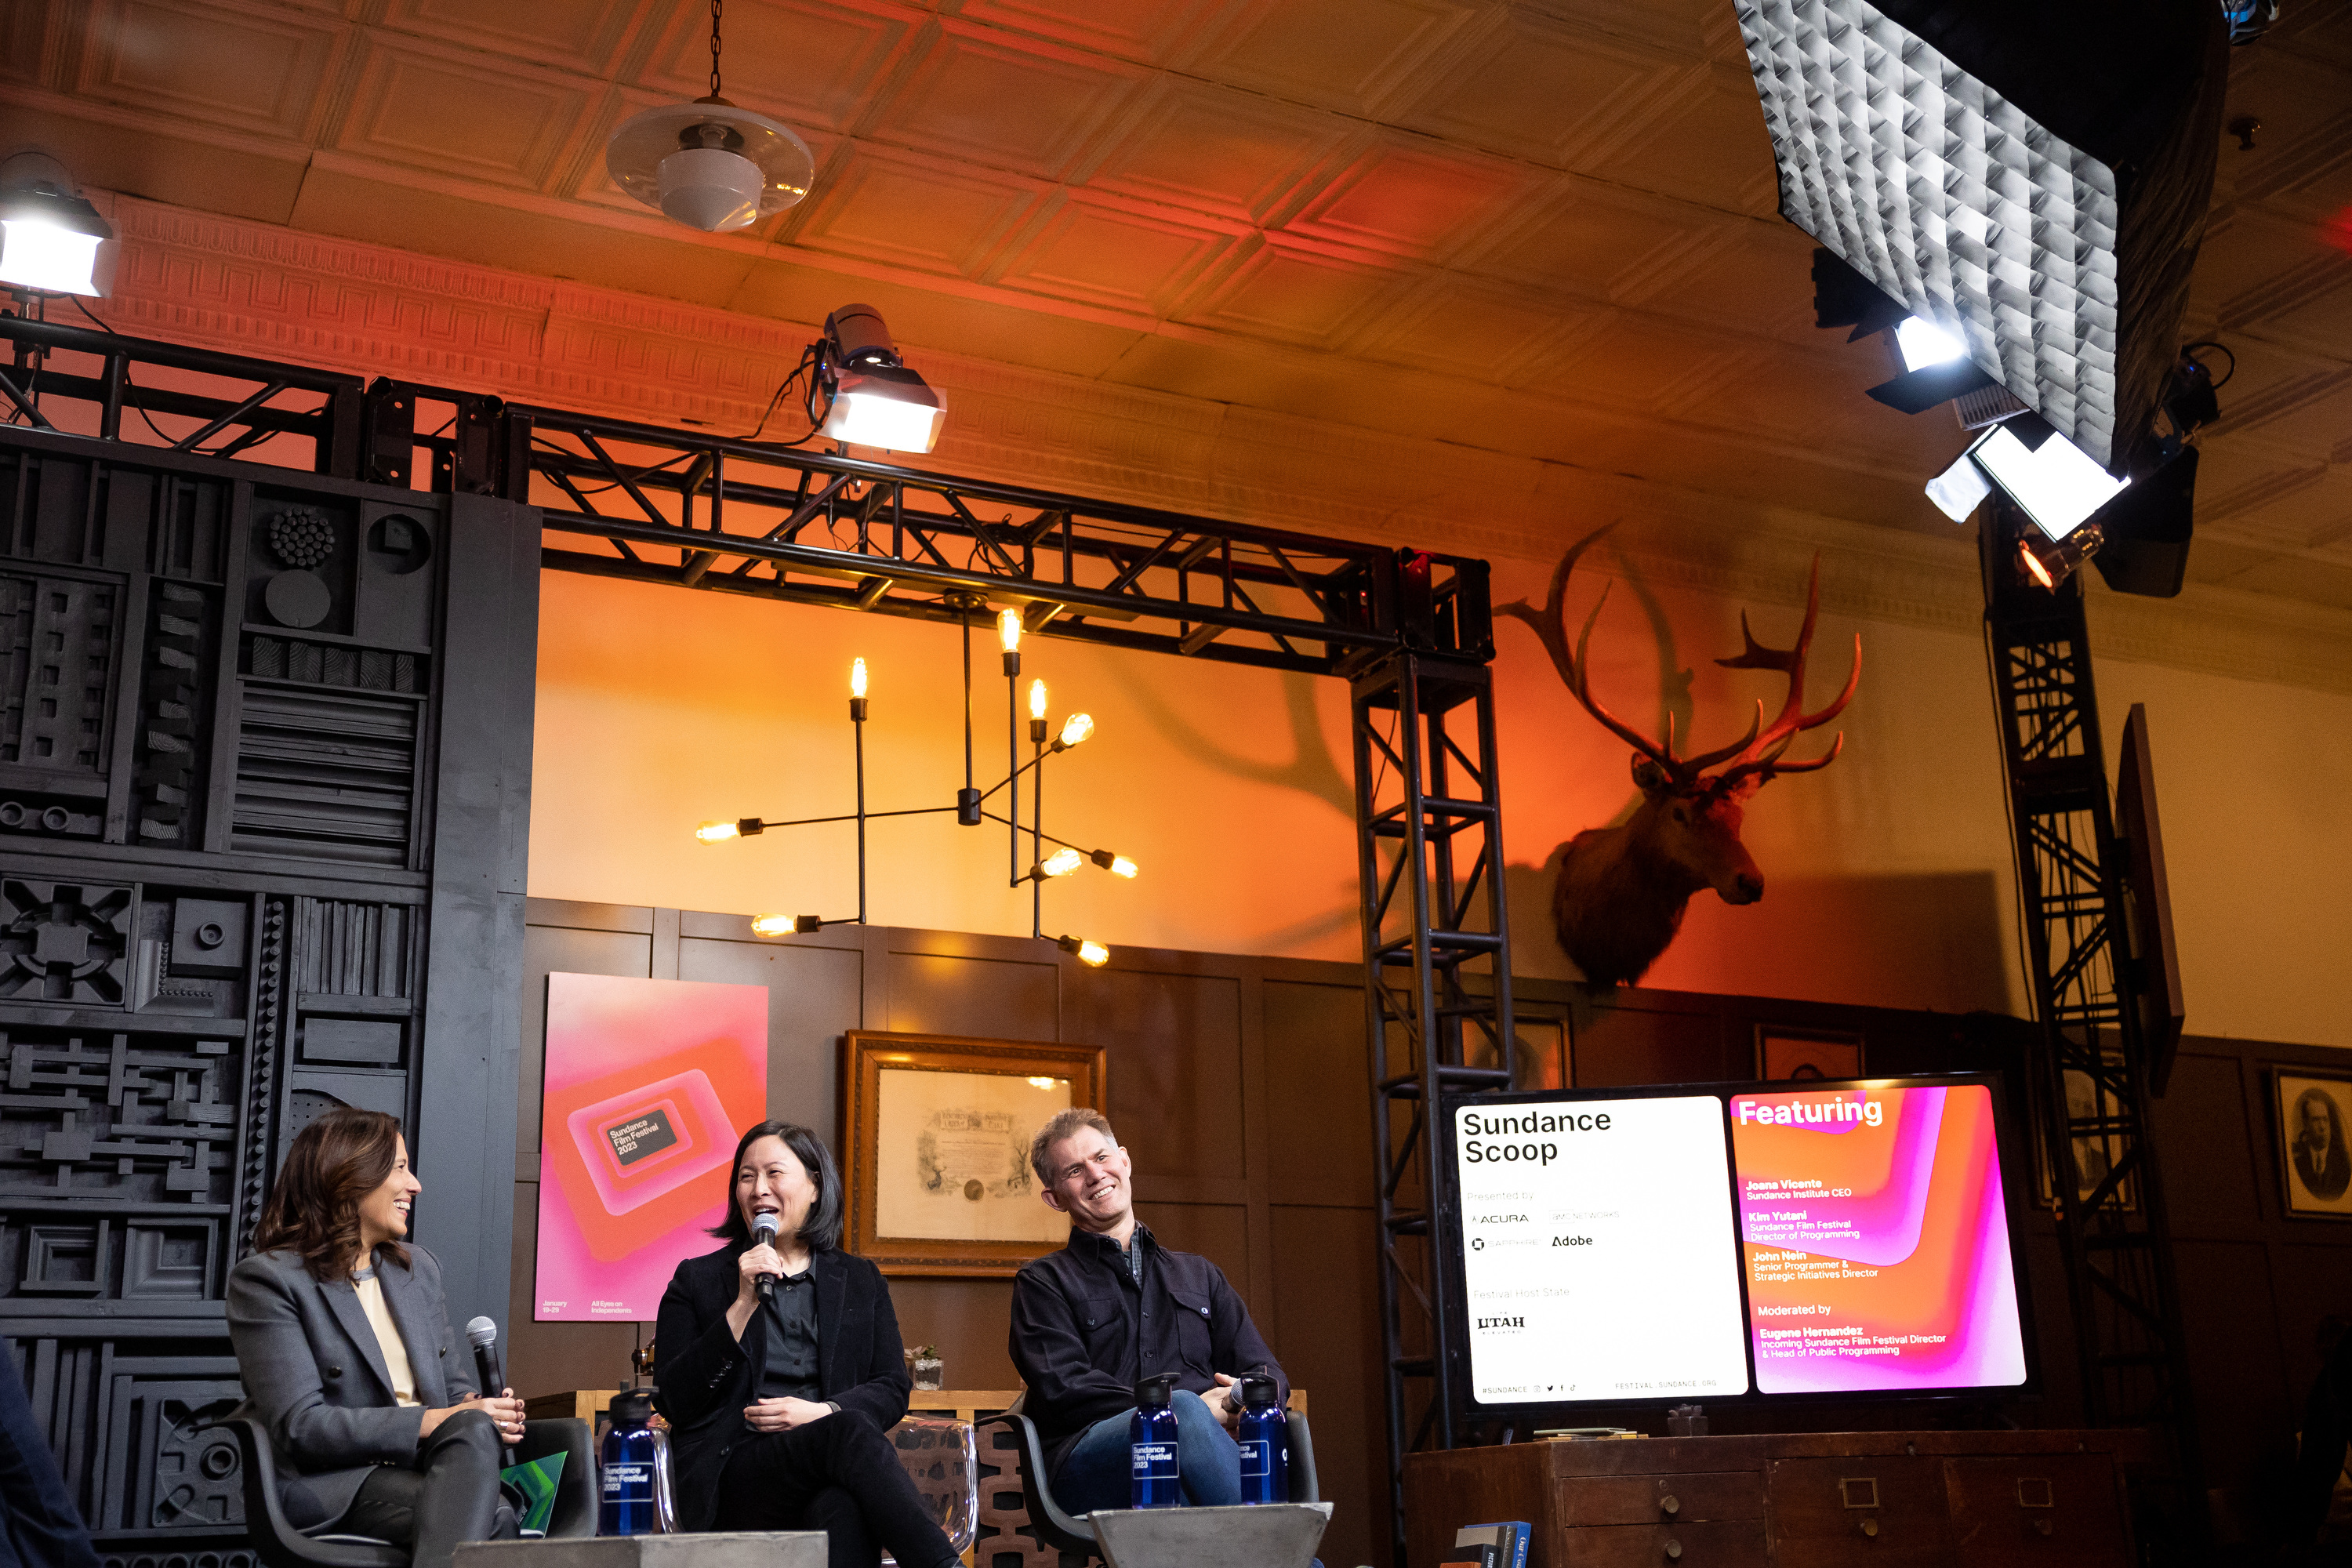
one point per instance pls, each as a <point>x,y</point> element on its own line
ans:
<point>1143,30</point>
<point>1631,362</point>
<point>1216,151</point>
<point>459,113</point>
<point>1707,144</point>
<point>585,36</point>
<point>2301,161</point>
<point>24,31</point>
<point>1416,199</point>
<point>1461,327</point>
<point>1027,106</point>
<point>1585,238</point>
<point>907,210</point>
<point>1103,254</point>
<point>812,63</point>
<point>1537,87</point>
<point>252,71</point>
<point>1350,55</point>
<point>1293,295</point>
<point>1746,276</point>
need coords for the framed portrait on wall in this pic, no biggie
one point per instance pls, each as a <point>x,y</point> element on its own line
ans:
<point>2092,1156</point>
<point>935,1132</point>
<point>2315,1173</point>
<point>1799,1053</point>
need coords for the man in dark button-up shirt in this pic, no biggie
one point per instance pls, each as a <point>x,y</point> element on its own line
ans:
<point>1112,1308</point>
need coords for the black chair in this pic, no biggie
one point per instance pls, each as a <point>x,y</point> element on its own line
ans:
<point>280,1545</point>
<point>1071,1532</point>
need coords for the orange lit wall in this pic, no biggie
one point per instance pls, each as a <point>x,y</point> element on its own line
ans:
<point>1889,875</point>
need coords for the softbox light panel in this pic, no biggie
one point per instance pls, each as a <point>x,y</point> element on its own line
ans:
<point>2033,176</point>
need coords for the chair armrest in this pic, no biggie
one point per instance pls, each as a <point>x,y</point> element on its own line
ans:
<point>274,1539</point>
<point>1304,1485</point>
<point>1043,1511</point>
<point>575,1491</point>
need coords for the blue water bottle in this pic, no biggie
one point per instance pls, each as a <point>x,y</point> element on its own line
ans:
<point>1152,1441</point>
<point>1265,1437</point>
<point>635,1498</point>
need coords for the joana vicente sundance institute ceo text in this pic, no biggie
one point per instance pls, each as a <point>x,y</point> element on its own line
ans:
<point>343,1340</point>
<point>777,1407</point>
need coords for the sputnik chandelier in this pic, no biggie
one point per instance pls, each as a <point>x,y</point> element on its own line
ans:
<point>971,803</point>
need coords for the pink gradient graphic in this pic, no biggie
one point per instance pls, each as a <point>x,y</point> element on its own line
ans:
<point>647,1084</point>
<point>1877,1256</point>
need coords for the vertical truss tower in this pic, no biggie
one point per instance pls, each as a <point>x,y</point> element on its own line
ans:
<point>1429,823</point>
<point>2092,1081</point>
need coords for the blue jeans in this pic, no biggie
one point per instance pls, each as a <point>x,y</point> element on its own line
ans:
<point>1098,1471</point>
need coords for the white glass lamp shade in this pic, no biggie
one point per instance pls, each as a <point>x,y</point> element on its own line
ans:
<point>709,165</point>
<point>888,406</point>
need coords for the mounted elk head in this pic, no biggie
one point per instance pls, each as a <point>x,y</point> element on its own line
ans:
<point>1622,890</point>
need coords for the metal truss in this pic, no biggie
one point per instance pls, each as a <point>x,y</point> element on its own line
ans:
<point>1412,633</point>
<point>1429,814</point>
<point>2092,1084</point>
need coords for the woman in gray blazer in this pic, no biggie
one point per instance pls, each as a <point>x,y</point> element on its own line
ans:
<point>343,1340</point>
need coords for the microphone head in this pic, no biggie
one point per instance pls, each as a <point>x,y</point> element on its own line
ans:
<point>482,1331</point>
<point>763,1226</point>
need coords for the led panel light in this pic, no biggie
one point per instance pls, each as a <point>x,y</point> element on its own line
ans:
<point>2035,176</point>
<point>2055,484</point>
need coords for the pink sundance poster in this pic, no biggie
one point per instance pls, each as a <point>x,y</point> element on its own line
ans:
<point>647,1084</point>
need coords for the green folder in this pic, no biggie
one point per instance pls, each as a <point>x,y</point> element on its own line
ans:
<point>537,1481</point>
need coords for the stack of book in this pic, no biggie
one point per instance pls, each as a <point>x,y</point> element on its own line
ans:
<point>1489,1546</point>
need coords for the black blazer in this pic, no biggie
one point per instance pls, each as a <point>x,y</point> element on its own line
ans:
<point>704,1377</point>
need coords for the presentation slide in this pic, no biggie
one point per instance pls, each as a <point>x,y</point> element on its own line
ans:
<point>1875,1236</point>
<point>1598,1250</point>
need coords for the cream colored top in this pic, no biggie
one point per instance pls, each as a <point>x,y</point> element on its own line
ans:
<point>388,1336</point>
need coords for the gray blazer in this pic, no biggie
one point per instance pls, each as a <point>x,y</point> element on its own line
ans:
<point>315,1377</point>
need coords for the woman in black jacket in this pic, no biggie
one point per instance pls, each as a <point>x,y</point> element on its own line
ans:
<point>777,1407</point>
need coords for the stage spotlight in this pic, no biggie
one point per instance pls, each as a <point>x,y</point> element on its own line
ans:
<point>720,832</point>
<point>1061,862</point>
<point>1923,343</point>
<point>1117,865</point>
<point>1093,954</point>
<point>2036,176</point>
<point>52,241</point>
<point>1075,729</point>
<point>872,398</point>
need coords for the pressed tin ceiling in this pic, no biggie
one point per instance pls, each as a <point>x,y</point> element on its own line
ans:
<point>1538,231</point>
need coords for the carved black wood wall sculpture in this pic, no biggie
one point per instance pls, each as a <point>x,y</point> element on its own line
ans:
<point>265,749</point>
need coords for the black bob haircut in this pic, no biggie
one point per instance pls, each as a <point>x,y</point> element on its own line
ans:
<point>821,1231</point>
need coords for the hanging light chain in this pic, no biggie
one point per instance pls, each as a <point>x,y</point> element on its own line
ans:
<point>715,7</point>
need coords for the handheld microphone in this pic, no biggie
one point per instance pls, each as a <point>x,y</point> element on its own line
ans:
<point>484,1335</point>
<point>763,1231</point>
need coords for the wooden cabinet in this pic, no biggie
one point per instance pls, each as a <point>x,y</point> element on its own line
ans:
<point>1853,1499</point>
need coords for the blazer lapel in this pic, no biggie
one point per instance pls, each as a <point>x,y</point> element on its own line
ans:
<point>411,1314</point>
<point>832,1283</point>
<point>343,1300</point>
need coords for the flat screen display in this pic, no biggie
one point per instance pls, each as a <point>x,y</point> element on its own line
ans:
<point>1874,1233</point>
<point>1841,1238</point>
<point>1597,1258</point>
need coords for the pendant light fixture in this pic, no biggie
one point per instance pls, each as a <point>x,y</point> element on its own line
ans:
<point>708,164</point>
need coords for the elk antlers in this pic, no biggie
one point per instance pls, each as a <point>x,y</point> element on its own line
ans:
<point>1756,755</point>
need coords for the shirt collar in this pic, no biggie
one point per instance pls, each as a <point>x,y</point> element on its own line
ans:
<point>1089,1243</point>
